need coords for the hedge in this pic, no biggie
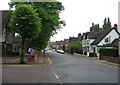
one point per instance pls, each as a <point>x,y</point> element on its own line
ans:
<point>74,47</point>
<point>109,52</point>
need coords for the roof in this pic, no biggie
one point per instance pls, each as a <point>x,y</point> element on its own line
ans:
<point>73,39</point>
<point>100,35</point>
<point>90,35</point>
<point>115,43</point>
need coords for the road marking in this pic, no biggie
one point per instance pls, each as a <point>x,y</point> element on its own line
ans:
<point>49,61</point>
<point>56,75</point>
<point>58,78</point>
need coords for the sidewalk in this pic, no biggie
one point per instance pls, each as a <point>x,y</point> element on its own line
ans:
<point>16,60</point>
<point>31,72</point>
<point>100,61</point>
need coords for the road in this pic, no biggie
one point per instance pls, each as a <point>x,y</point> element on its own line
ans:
<point>79,69</point>
<point>61,68</point>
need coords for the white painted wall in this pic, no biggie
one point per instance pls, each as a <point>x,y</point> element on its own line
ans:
<point>119,16</point>
<point>0,22</point>
<point>113,35</point>
<point>119,24</point>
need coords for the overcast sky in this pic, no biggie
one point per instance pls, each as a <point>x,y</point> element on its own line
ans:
<point>79,15</point>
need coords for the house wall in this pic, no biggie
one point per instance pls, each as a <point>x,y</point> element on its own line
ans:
<point>0,26</point>
<point>10,38</point>
<point>118,17</point>
<point>87,48</point>
<point>111,36</point>
<point>83,43</point>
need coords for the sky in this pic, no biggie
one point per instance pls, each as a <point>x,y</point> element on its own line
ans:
<point>80,14</point>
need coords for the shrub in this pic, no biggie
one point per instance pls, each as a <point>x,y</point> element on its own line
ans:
<point>74,47</point>
<point>109,52</point>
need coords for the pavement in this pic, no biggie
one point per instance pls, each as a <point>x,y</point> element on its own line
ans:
<point>31,72</point>
<point>99,61</point>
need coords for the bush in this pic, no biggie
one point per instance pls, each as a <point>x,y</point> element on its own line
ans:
<point>74,47</point>
<point>109,52</point>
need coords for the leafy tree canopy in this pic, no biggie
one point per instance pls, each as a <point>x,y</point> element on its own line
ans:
<point>25,21</point>
<point>106,23</point>
<point>51,22</point>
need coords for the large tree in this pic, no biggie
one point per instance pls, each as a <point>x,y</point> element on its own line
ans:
<point>25,21</point>
<point>49,14</point>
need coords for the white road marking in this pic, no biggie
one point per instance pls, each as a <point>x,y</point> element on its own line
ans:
<point>58,78</point>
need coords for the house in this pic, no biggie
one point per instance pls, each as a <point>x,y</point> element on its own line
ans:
<point>92,41</point>
<point>7,38</point>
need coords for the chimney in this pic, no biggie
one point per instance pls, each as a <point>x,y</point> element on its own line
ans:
<point>115,26</point>
<point>91,30</point>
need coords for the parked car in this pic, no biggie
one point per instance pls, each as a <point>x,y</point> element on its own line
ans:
<point>29,50</point>
<point>60,51</point>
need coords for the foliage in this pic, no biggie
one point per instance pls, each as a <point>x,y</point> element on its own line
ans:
<point>64,48</point>
<point>107,23</point>
<point>49,14</point>
<point>109,52</point>
<point>25,21</point>
<point>74,47</point>
<point>95,27</point>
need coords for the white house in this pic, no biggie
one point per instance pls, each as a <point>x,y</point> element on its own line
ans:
<point>87,39</point>
<point>92,41</point>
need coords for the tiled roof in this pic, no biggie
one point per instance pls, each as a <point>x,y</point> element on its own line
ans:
<point>100,35</point>
<point>115,42</point>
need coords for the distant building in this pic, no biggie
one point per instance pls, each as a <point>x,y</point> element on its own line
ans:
<point>92,41</point>
<point>8,41</point>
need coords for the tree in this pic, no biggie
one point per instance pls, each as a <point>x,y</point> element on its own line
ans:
<point>95,27</point>
<point>51,22</point>
<point>25,21</point>
<point>107,23</point>
<point>74,47</point>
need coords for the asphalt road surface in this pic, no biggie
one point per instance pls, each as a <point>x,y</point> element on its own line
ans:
<point>78,69</point>
<point>63,69</point>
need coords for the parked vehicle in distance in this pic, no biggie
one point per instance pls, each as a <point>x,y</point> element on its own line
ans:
<point>53,50</point>
<point>29,50</point>
<point>60,51</point>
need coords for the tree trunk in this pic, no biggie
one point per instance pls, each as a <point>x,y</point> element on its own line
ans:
<point>22,52</point>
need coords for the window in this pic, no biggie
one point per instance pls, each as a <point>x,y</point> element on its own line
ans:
<point>15,48</point>
<point>106,40</point>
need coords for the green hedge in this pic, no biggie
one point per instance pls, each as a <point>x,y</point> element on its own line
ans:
<point>74,47</point>
<point>109,52</point>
